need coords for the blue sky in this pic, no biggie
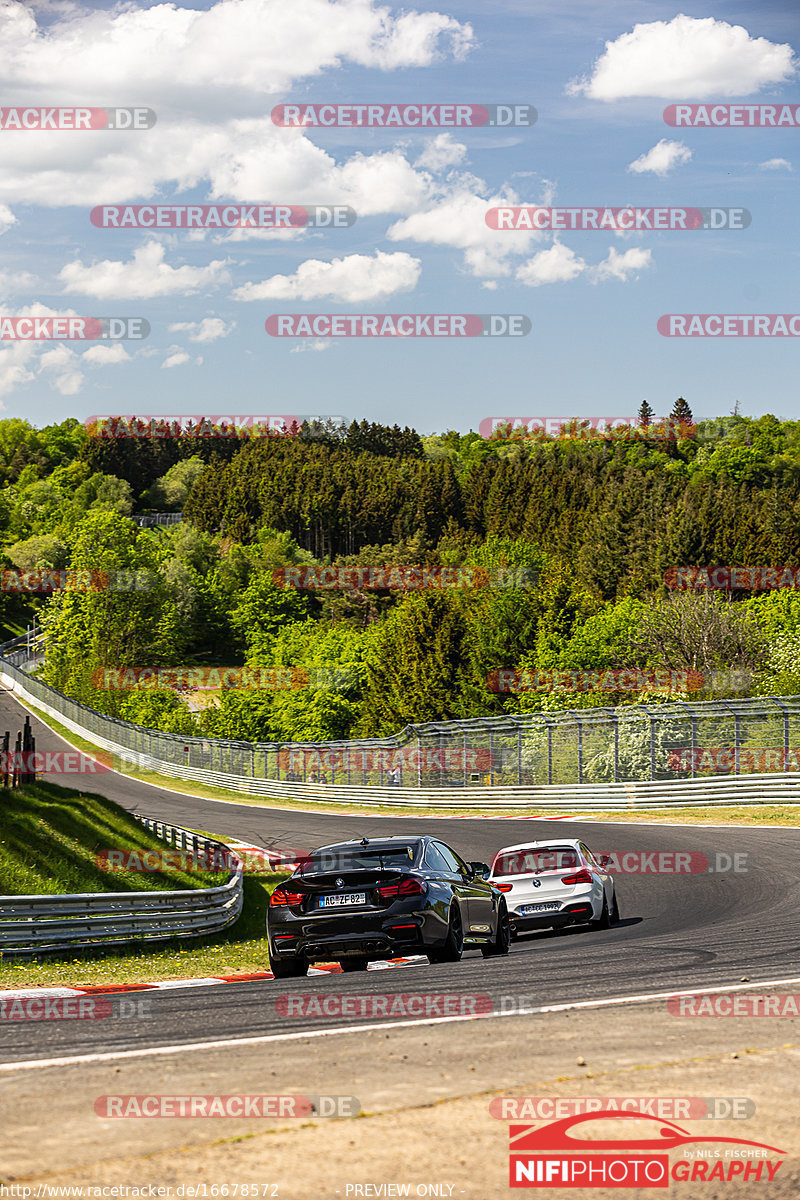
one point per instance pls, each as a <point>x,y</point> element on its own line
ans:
<point>599,75</point>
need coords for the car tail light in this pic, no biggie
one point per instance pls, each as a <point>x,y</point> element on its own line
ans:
<point>406,887</point>
<point>503,887</point>
<point>281,897</point>
<point>581,877</point>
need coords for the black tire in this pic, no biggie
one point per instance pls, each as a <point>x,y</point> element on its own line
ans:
<point>615,917</point>
<point>453,947</point>
<point>288,968</point>
<point>353,964</point>
<point>604,920</point>
<point>502,938</point>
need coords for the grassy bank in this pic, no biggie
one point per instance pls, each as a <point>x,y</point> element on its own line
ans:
<point>53,840</point>
<point>242,949</point>
<point>49,843</point>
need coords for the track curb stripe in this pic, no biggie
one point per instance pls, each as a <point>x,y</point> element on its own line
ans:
<point>174,984</point>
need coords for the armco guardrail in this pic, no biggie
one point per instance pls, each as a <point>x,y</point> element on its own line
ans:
<point>597,759</point>
<point>39,924</point>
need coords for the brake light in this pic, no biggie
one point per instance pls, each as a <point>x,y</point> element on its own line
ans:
<point>581,877</point>
<point>406,887</point>
<point>503,887</point>
<point>281,897</point>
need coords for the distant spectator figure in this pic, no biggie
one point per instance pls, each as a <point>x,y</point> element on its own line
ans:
<point>314,777</point>
<point>393,778</point>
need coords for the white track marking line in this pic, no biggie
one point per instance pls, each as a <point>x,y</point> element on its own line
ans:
<point>228,1043</point>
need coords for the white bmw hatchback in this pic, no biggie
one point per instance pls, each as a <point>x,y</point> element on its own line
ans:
<point>553,884</point>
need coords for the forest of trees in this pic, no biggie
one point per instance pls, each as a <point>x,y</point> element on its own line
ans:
<point>595,520</point>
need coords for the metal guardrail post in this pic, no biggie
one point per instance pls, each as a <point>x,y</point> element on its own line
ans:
<point>580,750</point>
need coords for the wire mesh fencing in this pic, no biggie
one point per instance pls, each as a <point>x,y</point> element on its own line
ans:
<point>638,743</point>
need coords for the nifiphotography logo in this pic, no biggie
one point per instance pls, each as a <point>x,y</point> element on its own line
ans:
<point>562,1154</point>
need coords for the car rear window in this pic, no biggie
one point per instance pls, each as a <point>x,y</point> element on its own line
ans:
<point>359,858</point>
<point>529,862</point>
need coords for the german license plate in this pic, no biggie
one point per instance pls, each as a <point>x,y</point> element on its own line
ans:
<point>343,900</point>
<point>549,907</point>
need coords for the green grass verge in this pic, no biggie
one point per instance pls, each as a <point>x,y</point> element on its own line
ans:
<point>757,814</point>
<point>16,622</point>
<point>51,837</point>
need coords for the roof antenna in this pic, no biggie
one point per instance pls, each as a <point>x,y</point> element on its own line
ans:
<point>364,842</point>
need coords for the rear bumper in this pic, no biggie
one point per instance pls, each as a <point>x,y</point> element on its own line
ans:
<point>573,912</point>
<point>329,940</point>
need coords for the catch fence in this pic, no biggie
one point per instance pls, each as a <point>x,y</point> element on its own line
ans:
<point>656,744</point>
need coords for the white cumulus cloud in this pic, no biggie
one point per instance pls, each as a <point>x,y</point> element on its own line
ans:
<point>147,275</point>
<point>458,219</point>
<point>686,58</point>
<point>559,264</point>
<point>177,359</point>
<point>106,356</point>
<point>661,158</point>
<point>621,266</point>
<point>440,152</point>
<point>776,164</point>
<point>257,46</point>
<point>207,330</point>
<point>352,279</point>
<point>213,125</point>
<point>21,362</point>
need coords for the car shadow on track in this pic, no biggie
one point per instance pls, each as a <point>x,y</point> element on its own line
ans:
<point>540,935</point>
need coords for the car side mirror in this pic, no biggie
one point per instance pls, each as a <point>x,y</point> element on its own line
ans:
<point>604,860</point>
<point>481,870</point>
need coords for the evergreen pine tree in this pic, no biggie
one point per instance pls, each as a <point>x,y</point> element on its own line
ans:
<point>646,415</point>
<point>681,413</point>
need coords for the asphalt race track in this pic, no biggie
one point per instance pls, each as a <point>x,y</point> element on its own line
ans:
<point>677,932</point>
